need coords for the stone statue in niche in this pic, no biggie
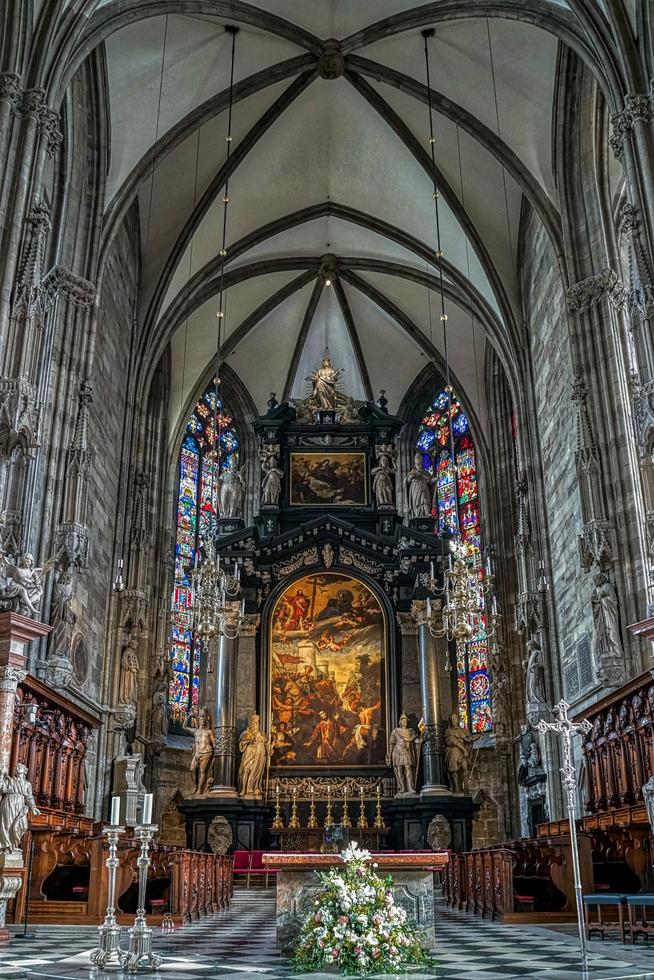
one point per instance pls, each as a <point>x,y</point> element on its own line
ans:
<point>159,719</point>
<point>129,672</point>
<point>325,383</point>
<point>62,617</point>
<point>606,617</point>
<point>383,476</point>
<point>204,742</point>
<point>530,766</point>
<point>22,581</point>
<point>403,749</point>
<point>534,665</point>
<point>232,491</point>
<point>271,482</point>
<point>16,801</point>
<point>254,746</point>
<point>418,496</point>
<point>458,747</point>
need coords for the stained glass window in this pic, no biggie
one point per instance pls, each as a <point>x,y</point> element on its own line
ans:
<point>451,459</point>
<point>197,506</point>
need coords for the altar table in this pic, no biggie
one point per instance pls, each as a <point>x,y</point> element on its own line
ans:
<point>297,885</point>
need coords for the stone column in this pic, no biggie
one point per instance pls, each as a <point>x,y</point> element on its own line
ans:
<point>16,631</point>
<point>224,764</point>
<point>433,748</point>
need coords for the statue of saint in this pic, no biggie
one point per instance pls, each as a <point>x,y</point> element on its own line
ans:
<point>129,672</point>
<point>203,749</point>
<point>16,801</point>
<point>23,581</point>
<point>271,483</point>
<point>325,382</point>
<point>458,745</point>
<point>232,491</point>
<point>159,719</point>
<point>403,748</point>
<point>417,483</point>
<point>535,673</point>
<point>606,617</point>
<point>255,748</point>
<point>382,478</point>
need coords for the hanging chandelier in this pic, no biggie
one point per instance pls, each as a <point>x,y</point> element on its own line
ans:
<point>215,606</point>
<point>468,605</point>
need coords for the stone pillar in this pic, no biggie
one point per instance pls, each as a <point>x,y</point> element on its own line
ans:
<point>433,748</point>
<point>224,764</point>
<point>16,631</point>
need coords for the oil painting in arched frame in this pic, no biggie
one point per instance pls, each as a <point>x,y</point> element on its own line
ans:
<point>328,674</point>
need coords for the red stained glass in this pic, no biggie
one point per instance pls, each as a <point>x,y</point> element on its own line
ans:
<point>197,505</point>
<point>459,492</point>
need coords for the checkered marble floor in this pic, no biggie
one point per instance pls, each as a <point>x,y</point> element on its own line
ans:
<point>239,944</point>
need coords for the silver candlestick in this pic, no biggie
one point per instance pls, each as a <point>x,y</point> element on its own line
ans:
<point>108,955</point>
<point>140,958</point>
<point>566,728</point>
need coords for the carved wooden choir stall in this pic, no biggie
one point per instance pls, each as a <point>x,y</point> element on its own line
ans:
<point>65,851</point>
<point>532,879</point>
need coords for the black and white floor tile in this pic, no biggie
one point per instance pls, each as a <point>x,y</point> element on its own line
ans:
<point>239,944</point>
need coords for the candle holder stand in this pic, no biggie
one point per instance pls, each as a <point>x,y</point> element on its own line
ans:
<point>294,823</point>
<point>345,819</point>
<point>379,818</point>
<point>329,816</point>
<point>312,822</point>
<point>362,823</point>
<point>278,823</point>
<point>140,958</point>
<point>108,956</point>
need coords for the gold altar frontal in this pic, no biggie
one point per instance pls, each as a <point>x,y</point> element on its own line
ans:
<point>308,840</point>
<point>297,886</point>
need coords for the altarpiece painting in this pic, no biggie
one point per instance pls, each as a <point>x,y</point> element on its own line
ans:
<point>328,479</point>
<point>327,677</point>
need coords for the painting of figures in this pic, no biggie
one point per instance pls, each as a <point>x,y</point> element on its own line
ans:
<point>327,696</point>
<point>337,479</point>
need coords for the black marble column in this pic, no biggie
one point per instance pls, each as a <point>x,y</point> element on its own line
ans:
<point>433,746</point>
<point>224,764</point>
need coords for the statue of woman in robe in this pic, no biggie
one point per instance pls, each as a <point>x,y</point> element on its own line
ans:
<point>606,617</point>
<point>16,801</point>
<point>324,386</point>
<point>232,491</point>
<point>255,748</point>
<point>382,480</point>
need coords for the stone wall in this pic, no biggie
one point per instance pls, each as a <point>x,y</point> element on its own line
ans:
<point>118,301</point>
<point>546,322</point>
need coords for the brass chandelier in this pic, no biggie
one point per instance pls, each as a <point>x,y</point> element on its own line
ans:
<point>215,607</point>
<point>468,605</point>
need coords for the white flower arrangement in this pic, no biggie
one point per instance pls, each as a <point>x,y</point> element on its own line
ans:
<point>355,923</point>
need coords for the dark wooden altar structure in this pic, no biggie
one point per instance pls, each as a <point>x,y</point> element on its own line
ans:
<point>329,573</point>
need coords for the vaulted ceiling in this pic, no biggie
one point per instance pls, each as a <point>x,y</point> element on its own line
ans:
<point>336,167</point>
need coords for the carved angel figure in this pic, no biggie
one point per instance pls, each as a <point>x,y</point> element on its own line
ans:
<point>23,581</point>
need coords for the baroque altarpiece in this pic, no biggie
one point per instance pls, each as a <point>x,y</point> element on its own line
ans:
<point>334,650</point>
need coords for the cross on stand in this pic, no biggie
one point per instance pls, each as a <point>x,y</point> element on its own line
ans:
<point>566,728</point>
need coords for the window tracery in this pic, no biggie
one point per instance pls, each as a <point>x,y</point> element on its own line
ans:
<point>456,493</point>
<point>197,508</point>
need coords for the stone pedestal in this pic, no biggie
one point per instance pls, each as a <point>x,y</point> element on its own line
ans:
<point>128,785</point>
<point>16,631</point>
<point>12,880</point>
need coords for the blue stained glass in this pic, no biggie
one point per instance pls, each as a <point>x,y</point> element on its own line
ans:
<point>456,493</point>
<point>197,504</point>
<point>426,440</point>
